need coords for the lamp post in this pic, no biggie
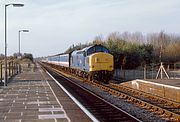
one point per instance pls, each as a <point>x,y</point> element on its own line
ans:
<point>5,38</point>
<point>19,32</point>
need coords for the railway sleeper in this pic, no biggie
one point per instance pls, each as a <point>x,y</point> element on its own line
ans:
<point>172,115</point>
<point>160,111</point>
<point>167,113</point>
<point>143,104</point>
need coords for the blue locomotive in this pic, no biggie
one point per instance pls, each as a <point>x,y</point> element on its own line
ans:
<point>94,62</point>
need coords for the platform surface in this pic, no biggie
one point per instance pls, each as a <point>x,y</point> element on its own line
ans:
<point>166,88</point>
<point>32,96</point>
<point>170,82</point>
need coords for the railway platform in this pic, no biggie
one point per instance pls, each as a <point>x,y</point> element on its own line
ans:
<point>166,88</point>
<point>33,96</point>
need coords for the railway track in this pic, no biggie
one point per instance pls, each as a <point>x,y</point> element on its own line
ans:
<point>170,105</point>
<point>101,109</point>
<point>163,107</point>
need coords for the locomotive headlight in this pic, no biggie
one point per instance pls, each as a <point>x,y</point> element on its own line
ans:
<point>92,66</point>
<point>97,60</point>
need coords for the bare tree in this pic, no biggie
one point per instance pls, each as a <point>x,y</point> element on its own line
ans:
<point>98,40</point>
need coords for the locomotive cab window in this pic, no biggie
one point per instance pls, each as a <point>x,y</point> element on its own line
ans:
<point>97,48</point>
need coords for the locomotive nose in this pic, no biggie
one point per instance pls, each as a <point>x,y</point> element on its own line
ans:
<point>101,61</point>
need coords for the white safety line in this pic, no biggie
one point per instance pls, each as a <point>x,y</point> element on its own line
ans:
<point>52,116</point>
<point>75,100</point>
<point>66,116</point>
<point>174,87</point>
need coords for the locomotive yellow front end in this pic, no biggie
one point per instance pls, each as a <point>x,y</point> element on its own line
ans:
<point>101,66</point>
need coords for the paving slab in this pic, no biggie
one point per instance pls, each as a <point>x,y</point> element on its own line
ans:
<point>29,97</point>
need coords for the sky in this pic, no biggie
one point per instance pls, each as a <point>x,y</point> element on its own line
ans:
<point>55,25</point>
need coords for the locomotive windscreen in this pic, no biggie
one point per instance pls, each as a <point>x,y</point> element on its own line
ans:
<point>97,48</point>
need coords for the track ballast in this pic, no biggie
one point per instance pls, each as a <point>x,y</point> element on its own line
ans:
<point>101,109</point>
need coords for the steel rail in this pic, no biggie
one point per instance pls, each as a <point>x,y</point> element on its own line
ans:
<point>124,94</point>
<point>101,109</point>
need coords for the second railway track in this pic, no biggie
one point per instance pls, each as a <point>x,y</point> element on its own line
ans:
<point>165,108</point>
<point>100,108</point>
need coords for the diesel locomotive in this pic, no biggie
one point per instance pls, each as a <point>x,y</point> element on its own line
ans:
<point>93,62</point>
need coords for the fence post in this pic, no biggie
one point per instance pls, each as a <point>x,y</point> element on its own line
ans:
<point>9,63</point>
<point>1,72</point>
<point>12,67</point>
<point>152,71</point>
<point>19,68</point>
<point>15,68</point>
<point>145,71</point>
<point>174,68</point>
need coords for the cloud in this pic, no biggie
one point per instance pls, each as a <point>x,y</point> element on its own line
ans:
<point>56,24</point>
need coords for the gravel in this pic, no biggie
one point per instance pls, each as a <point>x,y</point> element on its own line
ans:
<point>140,113</point>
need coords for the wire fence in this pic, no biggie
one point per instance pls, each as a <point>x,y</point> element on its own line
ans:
<point>147,72</point>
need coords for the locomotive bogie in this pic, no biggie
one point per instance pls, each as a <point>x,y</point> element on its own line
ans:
<point>101,76</point>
